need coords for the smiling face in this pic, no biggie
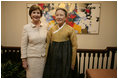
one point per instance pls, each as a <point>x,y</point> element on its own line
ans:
<point>60,17</point>
<point>35,15</point>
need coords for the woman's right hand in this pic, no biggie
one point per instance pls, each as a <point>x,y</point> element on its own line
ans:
<point>24,63</point>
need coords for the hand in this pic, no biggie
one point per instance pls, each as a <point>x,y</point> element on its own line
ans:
<point>72,67</point>
<point>24,63</point>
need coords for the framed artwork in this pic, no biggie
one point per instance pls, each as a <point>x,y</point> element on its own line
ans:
<point>83,17</point>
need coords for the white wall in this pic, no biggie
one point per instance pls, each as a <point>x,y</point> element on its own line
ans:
<point>14,16</point>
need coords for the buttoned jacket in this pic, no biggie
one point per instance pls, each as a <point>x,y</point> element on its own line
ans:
<point>33,43</point>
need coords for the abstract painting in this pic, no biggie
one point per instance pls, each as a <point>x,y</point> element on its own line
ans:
<point>83,17</point>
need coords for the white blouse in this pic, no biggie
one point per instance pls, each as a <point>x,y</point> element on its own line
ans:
<point>33,42</point>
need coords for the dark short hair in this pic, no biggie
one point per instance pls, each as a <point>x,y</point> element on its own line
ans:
<point>62,10</point>
<point>35,7</point>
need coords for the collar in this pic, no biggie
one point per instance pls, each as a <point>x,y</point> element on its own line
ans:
<point>62,25</point>
<point>33,25</point>
<point>59,28</point>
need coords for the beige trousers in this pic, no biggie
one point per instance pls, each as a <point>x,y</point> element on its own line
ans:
<point>35,67</point>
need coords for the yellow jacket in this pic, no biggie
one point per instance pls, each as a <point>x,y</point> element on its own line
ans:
<point>63,33</point>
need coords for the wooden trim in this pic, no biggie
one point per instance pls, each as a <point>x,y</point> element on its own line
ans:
<point>92,50</point>
<point>9,47</point>
<point>78,50</point>
<point>112,48</point>
<point>97,50</point>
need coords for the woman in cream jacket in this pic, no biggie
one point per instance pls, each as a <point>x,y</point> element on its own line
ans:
<point>33,44</point>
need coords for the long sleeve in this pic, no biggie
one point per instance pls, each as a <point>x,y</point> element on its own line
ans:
<point>73,39</point>
<point>24,43</point>
<point>48,41</point>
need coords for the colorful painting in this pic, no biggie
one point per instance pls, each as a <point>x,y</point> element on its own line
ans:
<point>83,17</point>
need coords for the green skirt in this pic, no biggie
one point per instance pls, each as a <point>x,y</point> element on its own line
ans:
<point>58,63</point>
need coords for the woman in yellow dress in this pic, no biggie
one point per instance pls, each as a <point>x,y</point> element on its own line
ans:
<point>61,48</point>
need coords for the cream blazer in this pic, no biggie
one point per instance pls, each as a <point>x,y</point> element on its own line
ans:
<point>33,43</point>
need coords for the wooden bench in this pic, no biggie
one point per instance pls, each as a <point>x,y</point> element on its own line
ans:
<point>101,73</point>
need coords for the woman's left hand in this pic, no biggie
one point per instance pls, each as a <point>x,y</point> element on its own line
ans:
<point>72,67</point>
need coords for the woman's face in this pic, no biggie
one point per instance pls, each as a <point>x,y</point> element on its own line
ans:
<point>36,15</point>
<point>60,17</point>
